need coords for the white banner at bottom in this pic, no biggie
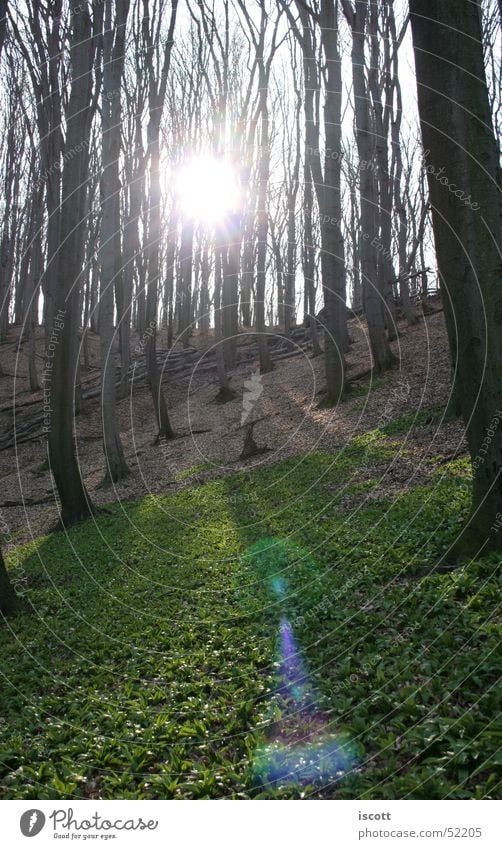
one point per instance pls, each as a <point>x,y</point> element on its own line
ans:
<point>249,825</point>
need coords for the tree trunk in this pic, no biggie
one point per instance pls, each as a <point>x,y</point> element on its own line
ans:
<point>290,278</point>
<point>225,393</point>
<point>333,250</point>
<point>35,273</point>
<point>156,97</point>
<point>464,185</point>
<point>8,598</point>
<point>373,298</point>
<point>185,283</point>
<point>111,247</point>
<point>262,229</point>
<point>309,261</point>
<point>154,378</point>
<point>230,291</point>
<point>61,375</point>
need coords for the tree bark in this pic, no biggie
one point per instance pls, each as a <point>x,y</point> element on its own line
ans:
<point>373,298</point>
<point>8,598</point>
<point>333,249</point>
<point>462,165</point>
<point>111,245</point>
<point>262,227</point>
<point>156,97</point>
<point>61,377</point>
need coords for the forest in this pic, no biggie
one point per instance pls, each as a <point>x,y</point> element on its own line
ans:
<point>250,399</point>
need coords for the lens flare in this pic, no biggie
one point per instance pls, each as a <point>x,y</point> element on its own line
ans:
<point>303,749</point>
<point>292,670</point>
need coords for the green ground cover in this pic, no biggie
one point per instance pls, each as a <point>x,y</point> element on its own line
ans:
<point>250,638</point>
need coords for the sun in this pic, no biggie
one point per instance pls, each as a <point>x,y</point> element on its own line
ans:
<point>207,189</point>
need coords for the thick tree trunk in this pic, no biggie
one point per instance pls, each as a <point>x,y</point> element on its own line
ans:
<point>61,376</point>
<point>463,172</point>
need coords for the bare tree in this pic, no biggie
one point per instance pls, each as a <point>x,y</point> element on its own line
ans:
<point>373,297</point>
<point>157,84</point>
<point>326,177</point>
<point>115,21</point>
<point>258,35</point>
<point>39,42</point>
<point>61,377</point>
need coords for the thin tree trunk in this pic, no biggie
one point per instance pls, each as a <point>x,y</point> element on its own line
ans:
<point>262,229</point>
<point>373,298</point>
<point>156,95</point>
<point>230,290</point>
<point>333,250</point>
<point>309,261</point>
<point>111,248</point>
<point>185,283</point>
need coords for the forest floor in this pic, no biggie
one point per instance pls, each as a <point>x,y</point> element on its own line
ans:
<point>279,633</point>
<point>210,440</point>
<point>275,629</point>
